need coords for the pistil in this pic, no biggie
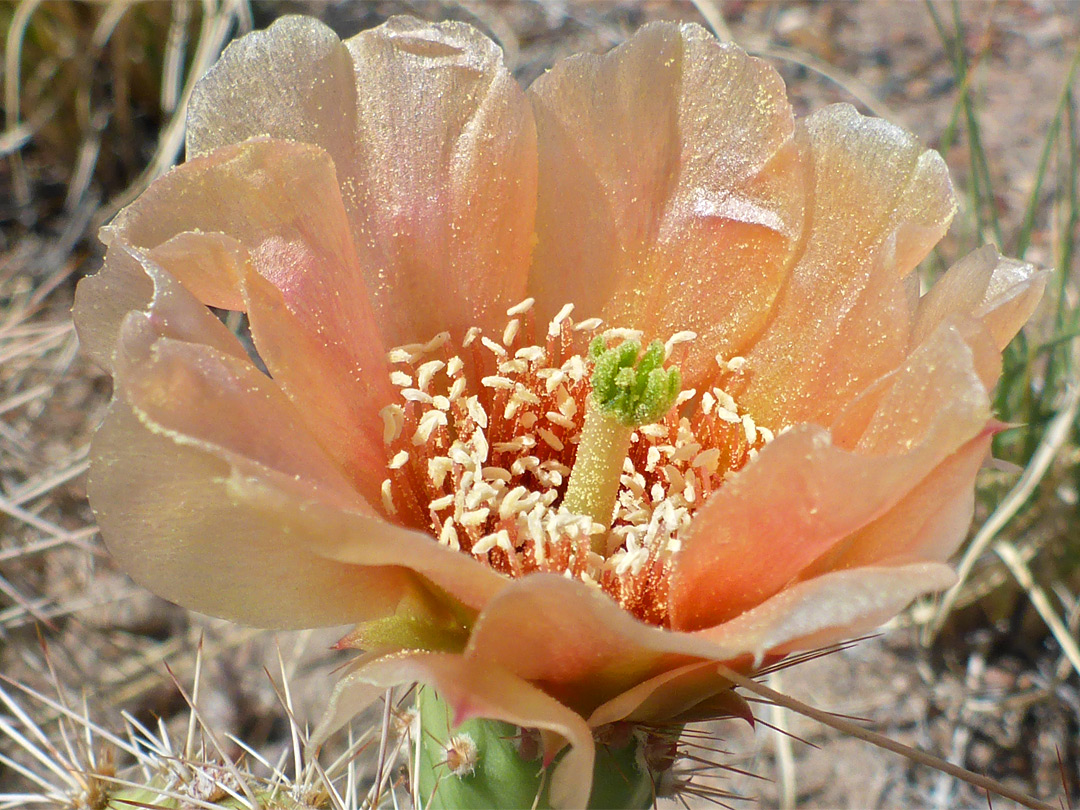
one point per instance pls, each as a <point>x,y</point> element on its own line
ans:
<point>627,391</point>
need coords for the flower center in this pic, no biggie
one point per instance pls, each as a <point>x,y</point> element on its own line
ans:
<point>480,453</point>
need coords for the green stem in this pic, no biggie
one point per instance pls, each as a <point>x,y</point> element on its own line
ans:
<point>502,778</point>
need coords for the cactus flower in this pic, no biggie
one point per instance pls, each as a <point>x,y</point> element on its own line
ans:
<point>560,395</point>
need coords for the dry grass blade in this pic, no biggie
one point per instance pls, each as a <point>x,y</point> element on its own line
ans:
<point>855,730</point>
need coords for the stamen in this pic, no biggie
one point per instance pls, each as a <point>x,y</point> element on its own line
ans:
<point>500,470</point>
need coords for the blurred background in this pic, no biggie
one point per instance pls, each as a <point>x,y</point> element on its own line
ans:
<point>987,676</point>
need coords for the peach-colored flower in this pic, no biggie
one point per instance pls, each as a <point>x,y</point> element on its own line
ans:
<point>406,229</point>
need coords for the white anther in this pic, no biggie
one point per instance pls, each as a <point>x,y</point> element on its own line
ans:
<point>477,412</point>
<point>510,332</point>
<point>475,517</point>
<point>400,379</point>
<point>495,381</point>
<point>393,421</point>
<point>588,325</point>
<point>709,459</point>
<point>426,373</point>
<point>727,415</point>
<point>749,428</point>
<point>492,346</point>
<point>520,308</point>
<point>438,468</point>
<point>557,418</point>
<point>416,395</point>
<point>439,504</point>
<point>386,490</point>
<point>399,460</point>
<point>429,422</point>
<point>736,363</point>
<point>679,337</point>
<point>556,323</point>
<point>766,434</point>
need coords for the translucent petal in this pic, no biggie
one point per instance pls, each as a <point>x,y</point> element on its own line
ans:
<point>671,191</point>
<point>879,203</point>
<point>309,312</point>
<point>443,188</point>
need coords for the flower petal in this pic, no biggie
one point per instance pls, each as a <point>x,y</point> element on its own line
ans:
<point>575,641</point>
<point>473,689</point>
<point>308,308</point>
<point>171,517</point>
<point>1000,293</point>
<point>130,282</point>
<point>670,695</point>
<point>928,523</point>
<point>793,503</point>
<point>671,191</point>
<point>830,608</point>
<point>879,203</point>
<point>292,81</point>
<point>443,191</point>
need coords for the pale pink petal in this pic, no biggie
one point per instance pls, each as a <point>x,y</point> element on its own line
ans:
<point>879,203</point>
<point>308,307</point>
<point>171,516</point>
<point>794,502</point>
<point>830,608</point>
<point>130,282</point>
<point>998,292</point>
<point>292,81</point>
<point>671,191</point>
<point>200,394</point>
<point>443,189</point>
<point>474,689</point>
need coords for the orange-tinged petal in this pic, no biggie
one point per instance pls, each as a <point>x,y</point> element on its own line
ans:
<point>671,192</point>
<point>575,641</point>
<point>292,81</point>
<point>213,267</point>
<point>928,523</point>
<point>201,394</point>
<point>879,203</point>
<point>938,385</point>
<point>308,307</point>
<point>669,695</point>
<point>443,188</point>
<point>835,606</point>
<point>473,689</point>
<point>1000,293</point>
<point>793,503</point>
<point>434,146</point>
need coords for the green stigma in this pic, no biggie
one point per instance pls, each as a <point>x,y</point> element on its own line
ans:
<point>636,391</point>
<point>628,391</point>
